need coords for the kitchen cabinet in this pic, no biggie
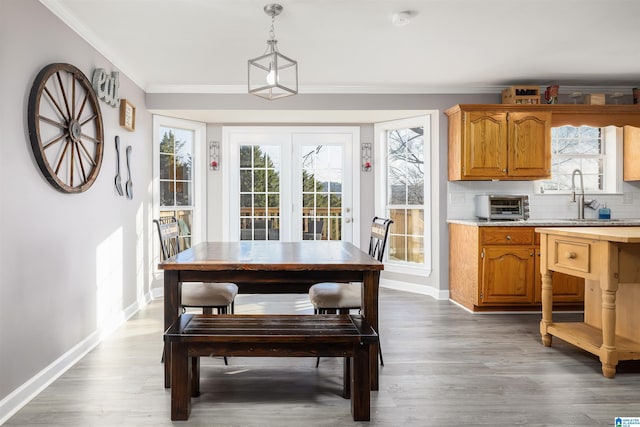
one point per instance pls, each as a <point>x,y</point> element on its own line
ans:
<point>498,143</point>
<point>498,268</point>
<point>631,153</point>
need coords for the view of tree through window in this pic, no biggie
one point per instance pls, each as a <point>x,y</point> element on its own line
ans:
<point>176,179</point>
<point>576,148</point>
<point>259,192</point>
<point>405,194</point>
<point>321,192</point>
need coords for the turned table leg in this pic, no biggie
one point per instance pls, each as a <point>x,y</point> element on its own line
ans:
<point>547,307</point>
<point>608,352</point>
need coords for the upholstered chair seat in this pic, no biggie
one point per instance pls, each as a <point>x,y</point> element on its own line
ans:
<point>208,294</point>
<point>330,295</point>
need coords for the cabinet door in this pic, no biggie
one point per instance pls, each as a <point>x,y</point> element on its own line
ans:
<point>507,275</point>
<point>631,153</point>
<point>566,288</point>
<point>529,144</point>
<point>484,145</point>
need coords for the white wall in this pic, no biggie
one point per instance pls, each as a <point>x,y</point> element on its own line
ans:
<point>71,265</point>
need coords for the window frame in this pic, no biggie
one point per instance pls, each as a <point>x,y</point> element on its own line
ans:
<point>429,123</point>
<point>612,140</point>
<point>198,229</point>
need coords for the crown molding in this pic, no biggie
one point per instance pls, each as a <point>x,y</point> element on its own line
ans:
<point>377,90</point>
<point>59,10</point>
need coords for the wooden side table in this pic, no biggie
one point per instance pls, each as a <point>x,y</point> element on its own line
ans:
<point>607,258</point>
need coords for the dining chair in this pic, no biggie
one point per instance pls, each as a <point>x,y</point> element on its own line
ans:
<point>207,296</point>
<point>330,297</point>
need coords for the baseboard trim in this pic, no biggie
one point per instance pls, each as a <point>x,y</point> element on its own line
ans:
<point>22,395</point>
<point>415,288</point>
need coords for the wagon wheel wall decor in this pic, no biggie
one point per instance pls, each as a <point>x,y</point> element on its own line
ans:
<point>65,128</point>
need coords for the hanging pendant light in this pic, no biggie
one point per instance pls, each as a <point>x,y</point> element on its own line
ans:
<point>273,75</point>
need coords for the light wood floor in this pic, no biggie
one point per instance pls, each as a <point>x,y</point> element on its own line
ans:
<point>443,367</point>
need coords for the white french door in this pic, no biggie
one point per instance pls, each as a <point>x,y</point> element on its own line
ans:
<point>290,183</point>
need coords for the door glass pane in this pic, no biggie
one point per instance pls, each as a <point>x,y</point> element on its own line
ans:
<point>322,192</point>
<point>259,192</point>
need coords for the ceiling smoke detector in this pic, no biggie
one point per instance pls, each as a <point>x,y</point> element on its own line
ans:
<point>400,19</point>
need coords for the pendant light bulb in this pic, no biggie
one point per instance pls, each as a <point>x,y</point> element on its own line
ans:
<point>271,77</point>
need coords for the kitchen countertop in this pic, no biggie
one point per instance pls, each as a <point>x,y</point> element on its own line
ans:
<point>588,222</point>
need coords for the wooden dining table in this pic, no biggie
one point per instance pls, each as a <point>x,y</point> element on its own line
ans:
<point>272,267</point>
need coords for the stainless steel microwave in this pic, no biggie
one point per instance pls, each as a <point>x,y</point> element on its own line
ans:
<point>502,207</point>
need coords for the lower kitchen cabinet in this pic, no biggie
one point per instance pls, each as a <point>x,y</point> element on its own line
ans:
<point>498,268</point>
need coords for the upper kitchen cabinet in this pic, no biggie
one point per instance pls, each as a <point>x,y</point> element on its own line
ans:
<point>631,153</point>
<point>498,142</point>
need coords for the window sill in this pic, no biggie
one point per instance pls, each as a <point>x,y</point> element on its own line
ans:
<point>413,270</point>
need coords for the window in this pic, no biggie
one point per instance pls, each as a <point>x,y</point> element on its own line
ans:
<point>176,145</point>
<point>176,179</point>
<point>592,150</point>
<point>403,183</point>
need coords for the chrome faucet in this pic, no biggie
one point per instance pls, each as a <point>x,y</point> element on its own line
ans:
<point>573,192</point>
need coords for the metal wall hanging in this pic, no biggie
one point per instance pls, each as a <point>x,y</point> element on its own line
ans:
<point>366,156</point>
<point>106,86</point>
<point>129,184</point>
<point>214,155</point>
<point>118,179</point>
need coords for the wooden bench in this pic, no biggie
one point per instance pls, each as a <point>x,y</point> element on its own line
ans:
<point>195,335</point>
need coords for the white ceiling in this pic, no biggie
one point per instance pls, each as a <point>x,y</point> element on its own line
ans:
<point>351,46</point>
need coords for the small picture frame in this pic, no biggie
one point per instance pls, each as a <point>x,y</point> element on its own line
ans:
<point>127,115</point>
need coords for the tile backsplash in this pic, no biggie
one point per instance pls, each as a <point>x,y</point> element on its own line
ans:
<point>460,201</point>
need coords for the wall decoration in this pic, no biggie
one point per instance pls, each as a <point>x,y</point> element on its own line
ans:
<point>65,127</point>
<point>366,160</point>
<point>129,184</point>
<point>127,115</point>
<point>106,86</point>
<point>214,155</point>
<point>118,179</point>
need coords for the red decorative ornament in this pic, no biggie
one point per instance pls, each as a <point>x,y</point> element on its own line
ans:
<point>214,164</point>
<point>367,165</point>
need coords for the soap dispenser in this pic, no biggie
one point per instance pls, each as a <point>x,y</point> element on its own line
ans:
<point>604,212</point>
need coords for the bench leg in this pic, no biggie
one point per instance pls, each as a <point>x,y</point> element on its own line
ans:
<point>195,376</point>
<point>361,383</point>
<point>346,378</point>
<point>181,382</point>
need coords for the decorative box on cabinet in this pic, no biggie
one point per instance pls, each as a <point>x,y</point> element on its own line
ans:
<point>498,142</point>
<point>521,95</point>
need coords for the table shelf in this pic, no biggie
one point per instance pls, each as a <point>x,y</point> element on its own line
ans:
<point>589,338</point>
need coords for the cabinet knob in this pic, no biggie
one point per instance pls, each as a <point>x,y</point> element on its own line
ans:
<point>508,237</point>
<point>572,255</point>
